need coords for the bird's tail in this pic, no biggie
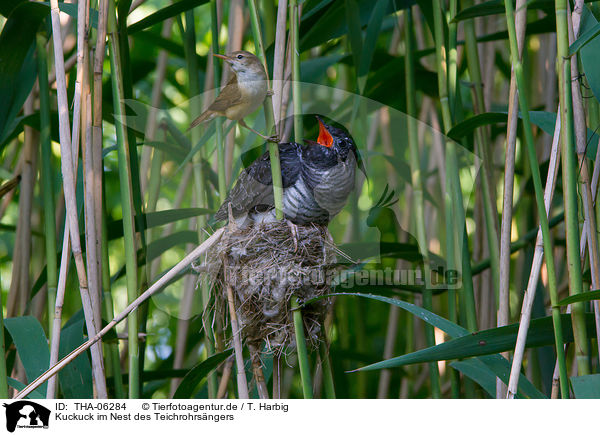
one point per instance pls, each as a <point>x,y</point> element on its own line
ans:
<point>206,116</point>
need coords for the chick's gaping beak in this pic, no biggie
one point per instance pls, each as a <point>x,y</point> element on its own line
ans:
<point>225,58</point>
<point>325,137</point>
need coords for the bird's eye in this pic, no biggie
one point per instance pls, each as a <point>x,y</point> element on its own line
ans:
<point>239,56</point>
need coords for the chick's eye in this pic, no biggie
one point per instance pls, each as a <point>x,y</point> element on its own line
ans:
<point>239,56</point>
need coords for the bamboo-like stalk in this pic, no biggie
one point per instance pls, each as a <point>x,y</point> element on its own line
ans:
<point>97,162</point>
<point>301,349</point>
<point>224,382</point>
<point>198,172</point>
<point>152,290</point>
<point>276,376</point>
<point>259,377</point>
<point>328,384</point>
<point>47,177</point>
<point>388,351</point>
<point>19,291</point>
<point>58,306</point>
<point>536,267</point>
<point>489,196</point>
<point>216,77</point>
<point>242,383</point>
<point>154,157</point>
<point>569,177</point>
<point>278,65</point>
<point>535,170</point>
<point>295,55</point>
<point>92,235</point>
<point>67,165</point>
<point>270,106</point>
<point>507,200</point>
<point>457,247</point>
<point>49,216</point>
<point>595,177</point>
<point>417,186</point>
<point>111,349</point>
<point>588,233</point>
<point>60,296</point>
<point>298,134</point>
<point>69,64</point>
<point>487,178</point>
<point>126,201</point>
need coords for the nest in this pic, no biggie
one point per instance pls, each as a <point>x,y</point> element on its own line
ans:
<point>266,265</point>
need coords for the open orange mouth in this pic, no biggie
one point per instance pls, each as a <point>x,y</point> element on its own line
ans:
<point>324,138</point>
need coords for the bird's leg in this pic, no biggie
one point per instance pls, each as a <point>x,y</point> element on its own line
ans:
<point>294,230</point>
<point>232,223</point>
<point>273,138</point>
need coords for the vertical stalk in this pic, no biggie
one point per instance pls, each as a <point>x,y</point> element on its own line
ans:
<point>569,177</point>
<point>294,52</point>
<point>217,79</point>
<point>537,182</point>
<point>237,343</point>
<point>92,237</point>
<point>452,178</point>
<point>507,200</point>
<point>417,185</point>
<point>67,166</point>
<point>536,266</point>
<point>328,383</point>
<point>47,178</point>
<point>489,197</point>
<point>198,173</point>
<point>112,349</point>
<point>126,201</point>
<point>278,65</point>
<point>269,114</point>
<point>301,348</point>
<point>298,135</point>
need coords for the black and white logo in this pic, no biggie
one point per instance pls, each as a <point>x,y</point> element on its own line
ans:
<point>25,414</point>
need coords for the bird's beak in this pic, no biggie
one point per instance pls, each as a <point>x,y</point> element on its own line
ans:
<point>225,58</point>
<point>325,137</point>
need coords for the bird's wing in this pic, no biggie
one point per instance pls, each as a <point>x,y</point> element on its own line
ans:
<point>230,95</point>
<point>254,186</point>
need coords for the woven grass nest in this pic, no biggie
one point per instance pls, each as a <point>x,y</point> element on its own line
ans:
<point>266,264</point>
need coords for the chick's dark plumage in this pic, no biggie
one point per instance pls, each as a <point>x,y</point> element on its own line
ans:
<point>317,180</point>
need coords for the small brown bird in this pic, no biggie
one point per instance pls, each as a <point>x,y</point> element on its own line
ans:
<point>243,94</point>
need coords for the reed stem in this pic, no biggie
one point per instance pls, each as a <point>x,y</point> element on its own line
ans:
<point>539,195</point>
<point>301,349</point>
<point>198,171</point>
<point>68,167</point>
<point>47,178</point>
<point>417,187</point>
<point>569,178</point>
<point>126,201</point>
<point>269,115</point>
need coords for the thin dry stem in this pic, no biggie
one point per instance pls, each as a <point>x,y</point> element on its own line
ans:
<point>19,286</point>
<point>154,288</point>
<point>237,344</point>
<point>222,391</point>
<point>278,64</point>
<point>507,201</point>
<point>535,269</point>
<point>259,377</point>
